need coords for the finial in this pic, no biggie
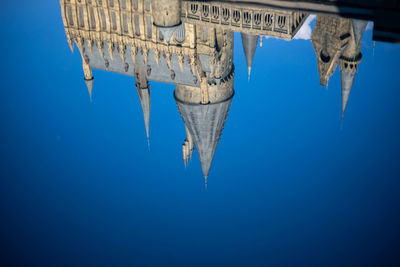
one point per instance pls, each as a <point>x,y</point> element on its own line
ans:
<point>261,38</point>
<point>205,182</point>
<point>71,44</point>
<point>343,108</point>
<point>341,121</point>
<point>248,73</point>
<point>373,48</point>
<point>148,143</point>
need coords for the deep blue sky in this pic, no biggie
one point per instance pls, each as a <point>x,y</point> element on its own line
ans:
<point>287,186</point>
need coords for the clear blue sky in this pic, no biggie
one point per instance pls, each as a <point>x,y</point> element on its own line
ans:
<point>287,186</point>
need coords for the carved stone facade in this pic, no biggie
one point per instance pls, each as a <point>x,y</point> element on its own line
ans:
<point>190,44</point>
<point>242,18</point>
<point>122,37</point>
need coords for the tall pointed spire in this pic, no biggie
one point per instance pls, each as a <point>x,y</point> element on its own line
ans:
<point>143,89</point>
<point>205,124</point>
<point>347,78</point>
<point>373,48</point>
<point>249,42</point>
<point>89,84</point>
<point>145,102</point>
<point>359,27</point>
<point>87,71</point>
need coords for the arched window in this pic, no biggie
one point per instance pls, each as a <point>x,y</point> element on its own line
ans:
<point>70,17</point>
<point>180,33</point>
<point>215,12</point>
<point>125,23</point>
<point>81,17</point>
<point>324,55</point>
<point>247,17</point>
<point>257,19</point>
<point>194,8</point>
<point>236,15</point>
<point>149,24</point>
<point>268,19</point>
<point>123,4</point>
<point>281,21</point>
<point>92,19</point>
<point>226,14</point>
<point>137,25</point>
<point>205,10</point>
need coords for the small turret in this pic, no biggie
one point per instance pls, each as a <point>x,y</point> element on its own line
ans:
<point>87,70</point>
<point>187,148</point>
<point>249,42</point>
<point>167,16</point>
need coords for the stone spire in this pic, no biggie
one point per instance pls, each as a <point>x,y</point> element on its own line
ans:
<point>249,42</point>
<point>347,78</point>
<point>89,84</point>
<point>205,124</point>
<point>87,70</point>
<point>143,89</point>
<point>359,27</point>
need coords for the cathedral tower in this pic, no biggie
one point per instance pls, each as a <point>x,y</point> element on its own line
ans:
<point>350,59</point>
<point>204,124</point>
<point>337,39</point>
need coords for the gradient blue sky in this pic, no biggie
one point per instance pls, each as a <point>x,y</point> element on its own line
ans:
<point>287,186</point>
